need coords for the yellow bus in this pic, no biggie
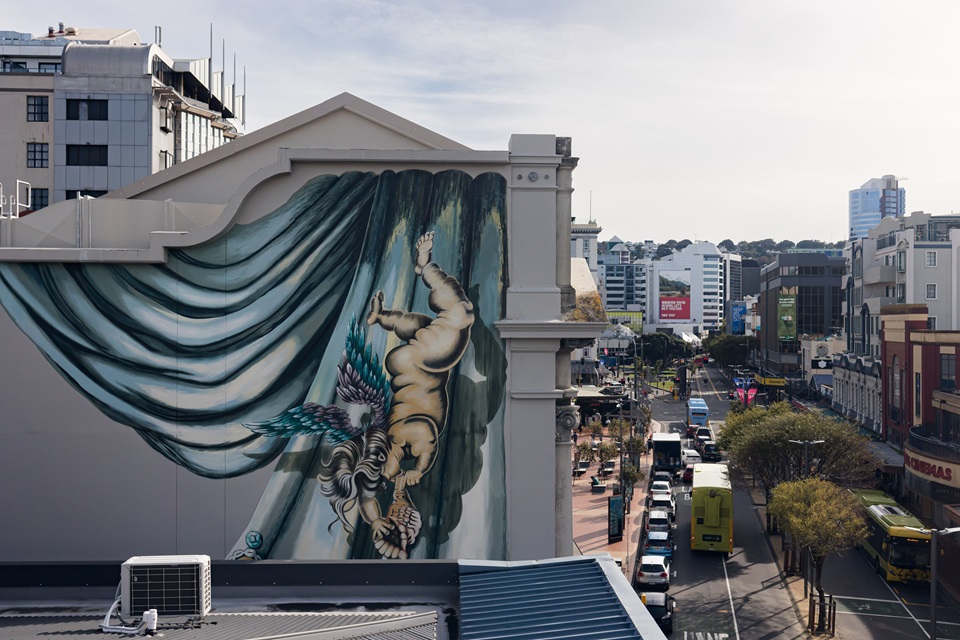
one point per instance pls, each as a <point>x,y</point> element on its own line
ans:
<point>711,503</point>
<point>899,553</point>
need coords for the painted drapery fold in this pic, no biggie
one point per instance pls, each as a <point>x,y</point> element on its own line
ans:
<point>254,323</point>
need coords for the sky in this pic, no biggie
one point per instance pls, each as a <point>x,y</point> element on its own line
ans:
<point>696,119</point>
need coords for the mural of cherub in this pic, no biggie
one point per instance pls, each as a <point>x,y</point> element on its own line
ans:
<point>407,420</point>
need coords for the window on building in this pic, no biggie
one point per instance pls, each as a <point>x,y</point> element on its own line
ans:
<point>948,371</point>
<point>901,293</point>
<point>93,193</point>
<point>166,159</point>
<point>39,198</point>
<point>86,109</point>
<point>916,394</point>
<point>931,260</point>
<point>87,155</point>
<point>38,155</point>
<point>14,66</point>
<point>932,323</point>
<point>901,261</point>
<point>931,291</point>
<point>894,390</point>
<point>49,67</point>
<point>38,109</point>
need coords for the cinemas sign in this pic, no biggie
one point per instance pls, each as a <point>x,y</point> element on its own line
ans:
<point>932,469</point>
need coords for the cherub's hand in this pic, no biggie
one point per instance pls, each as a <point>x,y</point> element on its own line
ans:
<point>380,528</point>
<point>412,477</point>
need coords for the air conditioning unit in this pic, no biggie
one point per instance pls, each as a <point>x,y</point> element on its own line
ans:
<point>173,585</point>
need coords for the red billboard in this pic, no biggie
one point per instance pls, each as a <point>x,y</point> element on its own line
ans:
<point>674,308</point>
<point>674,295</point>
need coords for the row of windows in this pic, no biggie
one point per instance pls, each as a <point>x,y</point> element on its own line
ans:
<point>38,109</point>
<point>43,67</point>
<point>83,155</point>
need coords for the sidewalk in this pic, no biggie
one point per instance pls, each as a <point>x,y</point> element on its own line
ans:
<point>590,524</point>
<point>793,583</point>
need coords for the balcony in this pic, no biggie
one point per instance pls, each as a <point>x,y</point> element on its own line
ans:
<point>879,274</point>
<point>924,439</point>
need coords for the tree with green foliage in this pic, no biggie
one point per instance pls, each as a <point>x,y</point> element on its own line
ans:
<point>607,451</point>
<point>634,447</point>
<point>759,441</point>
<point>727,245</point>
<point>683,244</point>
<point>663,347</point>
<point>821,518</point>
<point>584,451</point>
<point>729,350</point>
<point>783,245</point>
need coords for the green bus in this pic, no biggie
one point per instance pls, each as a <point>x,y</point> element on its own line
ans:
<point>899,552</point>
<point>711,504</point>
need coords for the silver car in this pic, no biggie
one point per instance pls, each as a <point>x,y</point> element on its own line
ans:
<point>654,571</point>
<point>664,502</point>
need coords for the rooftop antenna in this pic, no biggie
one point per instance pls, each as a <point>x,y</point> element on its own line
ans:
<point>158,36</point>
<point>210,71</point>
<point>591,206</point>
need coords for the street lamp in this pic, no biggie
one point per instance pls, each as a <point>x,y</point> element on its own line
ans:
<point>806,453</point>
<point>934,553</point>
<point>806,474</point>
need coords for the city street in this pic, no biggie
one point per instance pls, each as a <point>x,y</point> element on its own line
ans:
<point>744,596</point>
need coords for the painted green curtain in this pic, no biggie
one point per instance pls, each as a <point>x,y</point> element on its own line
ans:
<point>254,323</point>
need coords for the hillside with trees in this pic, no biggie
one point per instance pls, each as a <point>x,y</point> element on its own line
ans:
<point>763,251</point>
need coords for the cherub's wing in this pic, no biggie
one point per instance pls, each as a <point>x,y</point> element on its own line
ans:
<point>309,419</point>
<point>361,378</point>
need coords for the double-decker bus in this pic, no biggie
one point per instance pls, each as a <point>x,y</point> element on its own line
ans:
<point>698,414</point>
<point>711,508</point>
<point>899,552</point>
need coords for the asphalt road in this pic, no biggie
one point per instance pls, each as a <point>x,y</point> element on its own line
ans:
<point>742,596</point>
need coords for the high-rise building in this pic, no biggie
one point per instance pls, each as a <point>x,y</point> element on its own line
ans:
<point>878,198</point>
<point>800,296</point>
<point>87,111</point>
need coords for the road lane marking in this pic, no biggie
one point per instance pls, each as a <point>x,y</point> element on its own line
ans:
<point>922,627</point>
<point>733,611</point>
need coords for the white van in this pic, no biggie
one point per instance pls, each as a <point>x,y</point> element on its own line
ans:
<point>689,456</point>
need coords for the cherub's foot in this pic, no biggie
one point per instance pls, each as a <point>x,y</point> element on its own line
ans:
<point>424,247</point>
<point>376,306</point>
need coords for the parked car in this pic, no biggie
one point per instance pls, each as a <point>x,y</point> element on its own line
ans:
<point>688,473</point>
<point>657,520</point>
<point>662,607</point>
<point>654,571</point>
<point>662,475</point>
<point>660,487</point>
<point>664,502</point>
<point>658,543</point>
<point>612,390</point>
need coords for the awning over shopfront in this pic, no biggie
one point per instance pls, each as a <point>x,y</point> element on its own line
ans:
<point>952,511</point>
<point>885,457</point>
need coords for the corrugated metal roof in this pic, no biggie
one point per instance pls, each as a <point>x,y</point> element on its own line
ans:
<point>396,625</point>
<point>566,598</point>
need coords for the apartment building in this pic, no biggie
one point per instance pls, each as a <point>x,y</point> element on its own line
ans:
<point>90,110</point>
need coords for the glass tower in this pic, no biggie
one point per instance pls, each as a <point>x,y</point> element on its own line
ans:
<point>878,198</point>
